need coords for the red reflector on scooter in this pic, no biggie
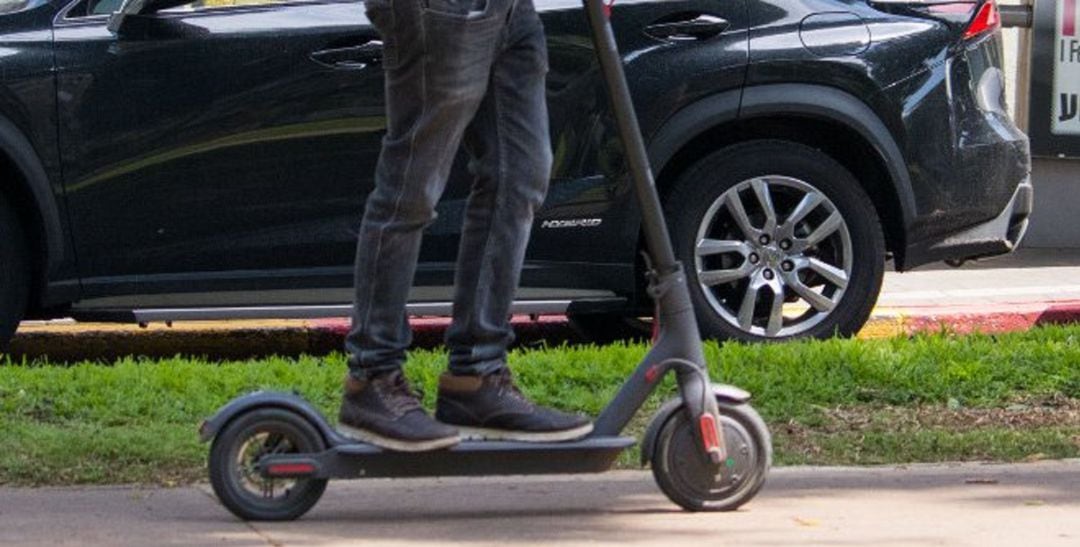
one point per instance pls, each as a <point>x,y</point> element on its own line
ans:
<point>652,374</point>
<point>708,434</point>
<point>288,469</point>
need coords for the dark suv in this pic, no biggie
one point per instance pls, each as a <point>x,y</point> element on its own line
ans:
<point>212,159</point>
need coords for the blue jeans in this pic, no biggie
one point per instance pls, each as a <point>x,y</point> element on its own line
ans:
<point>458,73</point>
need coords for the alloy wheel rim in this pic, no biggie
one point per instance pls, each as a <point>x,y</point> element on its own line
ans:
<point>773,256</point>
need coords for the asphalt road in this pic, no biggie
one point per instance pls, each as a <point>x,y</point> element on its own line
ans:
<point>1026,504</point>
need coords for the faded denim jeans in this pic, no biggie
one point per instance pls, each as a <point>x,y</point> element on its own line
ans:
<point>458,73</point>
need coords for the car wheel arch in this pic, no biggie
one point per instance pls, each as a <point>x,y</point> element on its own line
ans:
<point>24,181</point>
<point>786,111</point>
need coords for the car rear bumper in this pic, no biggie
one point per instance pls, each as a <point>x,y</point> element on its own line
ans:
<point>970,164</point>
<point>998,236</point>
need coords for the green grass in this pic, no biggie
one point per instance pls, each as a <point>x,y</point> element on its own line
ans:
<point>135,420</point>
<point>931,445</point>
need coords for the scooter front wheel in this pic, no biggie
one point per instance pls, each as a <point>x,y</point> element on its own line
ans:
<point>234,465</point>
<point>690,479</point>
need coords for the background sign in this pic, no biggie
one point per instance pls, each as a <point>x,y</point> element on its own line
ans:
<point>1065,119</point>
<point>1054,124</point>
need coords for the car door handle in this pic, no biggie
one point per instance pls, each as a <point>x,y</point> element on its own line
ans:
<point>691,26</point>
<point>350,57</point>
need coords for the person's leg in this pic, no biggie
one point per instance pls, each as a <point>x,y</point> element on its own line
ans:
<point>511,160</point>
<point>436,75</point>
<point>437,62</point>
<point>511,151</point>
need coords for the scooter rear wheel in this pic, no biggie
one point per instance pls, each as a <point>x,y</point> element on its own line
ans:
<point>690,479</point>
<point>234,465</point>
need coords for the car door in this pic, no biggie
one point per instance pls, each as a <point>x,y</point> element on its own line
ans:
<point>675,53</point>
<point>230,145</point>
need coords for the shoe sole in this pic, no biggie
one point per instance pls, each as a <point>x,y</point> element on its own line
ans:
<point>487,434</point>
<point>398,445</point>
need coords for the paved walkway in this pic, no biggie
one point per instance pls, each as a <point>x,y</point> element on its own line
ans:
<point>1036,275</point>
<point>1029,287</point>
<point>1026,504</point>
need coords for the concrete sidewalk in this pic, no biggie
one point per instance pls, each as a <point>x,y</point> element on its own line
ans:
<point>1030,287</point>
<point>969,504</point>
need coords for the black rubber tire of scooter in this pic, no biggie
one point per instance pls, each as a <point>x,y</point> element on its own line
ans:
<point>223,461</point>
<point>663,460</point>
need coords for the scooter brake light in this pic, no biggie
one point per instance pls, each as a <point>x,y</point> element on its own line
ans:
<point>290,469</point>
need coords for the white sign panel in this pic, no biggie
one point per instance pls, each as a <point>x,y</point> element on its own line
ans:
<point>1066,98</point>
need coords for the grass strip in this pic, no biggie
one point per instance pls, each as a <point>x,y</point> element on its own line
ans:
<point>927,398</point>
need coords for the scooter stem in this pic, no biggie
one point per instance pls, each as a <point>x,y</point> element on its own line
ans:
<point>679,341</point>
<point>657,240</point>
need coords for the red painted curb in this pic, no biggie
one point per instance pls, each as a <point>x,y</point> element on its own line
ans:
<point>989,319</point>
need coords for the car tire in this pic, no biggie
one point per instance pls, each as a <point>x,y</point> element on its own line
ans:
<point>822,247</point>
<point>14,273</point>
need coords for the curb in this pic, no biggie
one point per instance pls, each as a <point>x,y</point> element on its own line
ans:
<point>967,319</point>
<point>67,341</point>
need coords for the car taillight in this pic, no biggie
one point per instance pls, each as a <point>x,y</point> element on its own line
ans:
<point>970,18</point>
<point>986,20</point>
<point>961,8</point>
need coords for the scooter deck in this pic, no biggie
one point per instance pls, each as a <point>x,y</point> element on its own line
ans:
<point>346,458</point>
<point>469,458</point>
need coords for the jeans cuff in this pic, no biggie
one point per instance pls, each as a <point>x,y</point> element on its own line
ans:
<point>479,368</point>
<point>365,372</point>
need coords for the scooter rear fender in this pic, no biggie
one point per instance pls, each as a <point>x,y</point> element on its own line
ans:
<point>262,399</point>
<point>725,394</point>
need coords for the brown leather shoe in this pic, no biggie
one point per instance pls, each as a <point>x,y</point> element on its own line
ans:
<point>382,410</point>
<point>491,407</point>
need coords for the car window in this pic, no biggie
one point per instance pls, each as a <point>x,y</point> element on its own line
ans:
<point>217,4</point>
<point>8,6</point>
<point>105,7</point>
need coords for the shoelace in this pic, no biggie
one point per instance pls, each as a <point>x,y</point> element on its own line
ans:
<point>400,396</point>
<point>507,386</point>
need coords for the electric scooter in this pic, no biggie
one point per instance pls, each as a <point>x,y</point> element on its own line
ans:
<point>272,453</point>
